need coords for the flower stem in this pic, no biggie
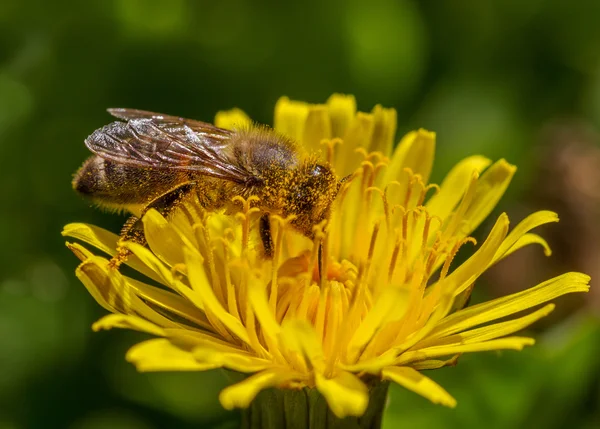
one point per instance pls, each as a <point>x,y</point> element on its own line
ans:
<point>308,409</point>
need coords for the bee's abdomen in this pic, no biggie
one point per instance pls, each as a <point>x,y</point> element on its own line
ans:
<point>88,179</point>
<point>108,182</point>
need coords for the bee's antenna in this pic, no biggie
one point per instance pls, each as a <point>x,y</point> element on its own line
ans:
<point>345,179</point>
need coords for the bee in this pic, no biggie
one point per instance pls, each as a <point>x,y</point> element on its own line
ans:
<point>149,160</point>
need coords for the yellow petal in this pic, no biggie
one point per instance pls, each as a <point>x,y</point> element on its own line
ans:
<point>418,383</point>
<point>100,238</point>
<point>434,363</point>
<point>105,241</point>
<point>240,395</point>
<point>199,281</point>
<point>290,117</point>
<point>316,128</point>
<point>532,221</point>
<point>455,185</point>
<point>342,109</point>
<point>117,295</point>
<point>262,309</point>
<point>81,252</point>
<point>173,305</point>
<point>392,300</point>
<point>162,239</point>
<point>234,119</point>
<point>164,275</point>
<point>526,240</point>
<point>507,305</point>
<point>161,355</point>
<point>158,268</point>
<point>509,343</point>
<point>384,130</point>
<point>188,339</point>
<point>415,151</point>
<point>345,394</point>
<point>468,271</point>
<point>441,309</point>
<point>127,322</point>
<point>345,220</point>
<point>95,281</point>
<point>300,337</point>
<point>489,332</point>
<point>358,135</point>
<point>372,365</point>
<point>502,329</point>
<point>491,186</point>
<point>238,361</point>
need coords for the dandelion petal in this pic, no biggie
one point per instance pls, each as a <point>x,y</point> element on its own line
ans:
<point>345,393</point>
<point>233,119</point>
<point>418,383</point>
<point>241,394</point>
<point>160,354</point>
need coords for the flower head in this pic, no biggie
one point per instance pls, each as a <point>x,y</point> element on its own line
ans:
<point>373,295</point>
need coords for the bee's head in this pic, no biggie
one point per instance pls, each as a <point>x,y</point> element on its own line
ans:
<point>312,189</point>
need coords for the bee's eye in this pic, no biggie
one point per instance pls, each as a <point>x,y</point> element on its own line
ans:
<point>318,170</point>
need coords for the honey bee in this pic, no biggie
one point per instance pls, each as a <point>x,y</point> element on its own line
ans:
<point>150,160</point>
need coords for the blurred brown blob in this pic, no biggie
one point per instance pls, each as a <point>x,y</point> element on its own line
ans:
<point>566,180</point>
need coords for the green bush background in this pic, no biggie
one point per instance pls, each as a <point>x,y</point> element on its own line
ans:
<point>488,76</point>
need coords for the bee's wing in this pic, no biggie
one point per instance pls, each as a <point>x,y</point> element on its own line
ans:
<point>161,118</point>
<point>151,140</point>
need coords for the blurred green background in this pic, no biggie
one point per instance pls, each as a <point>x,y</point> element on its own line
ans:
<point>512,79</point>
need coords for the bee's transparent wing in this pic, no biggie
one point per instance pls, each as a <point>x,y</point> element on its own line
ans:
<point>152,140</point>
<point>161,118</point>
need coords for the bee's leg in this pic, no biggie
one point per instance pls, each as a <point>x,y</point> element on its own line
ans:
<point>265,235</point>
<point>133,230</point>
<point>320,261</point>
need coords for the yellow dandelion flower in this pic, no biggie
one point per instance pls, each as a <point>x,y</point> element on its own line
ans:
<point>373,297</point>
